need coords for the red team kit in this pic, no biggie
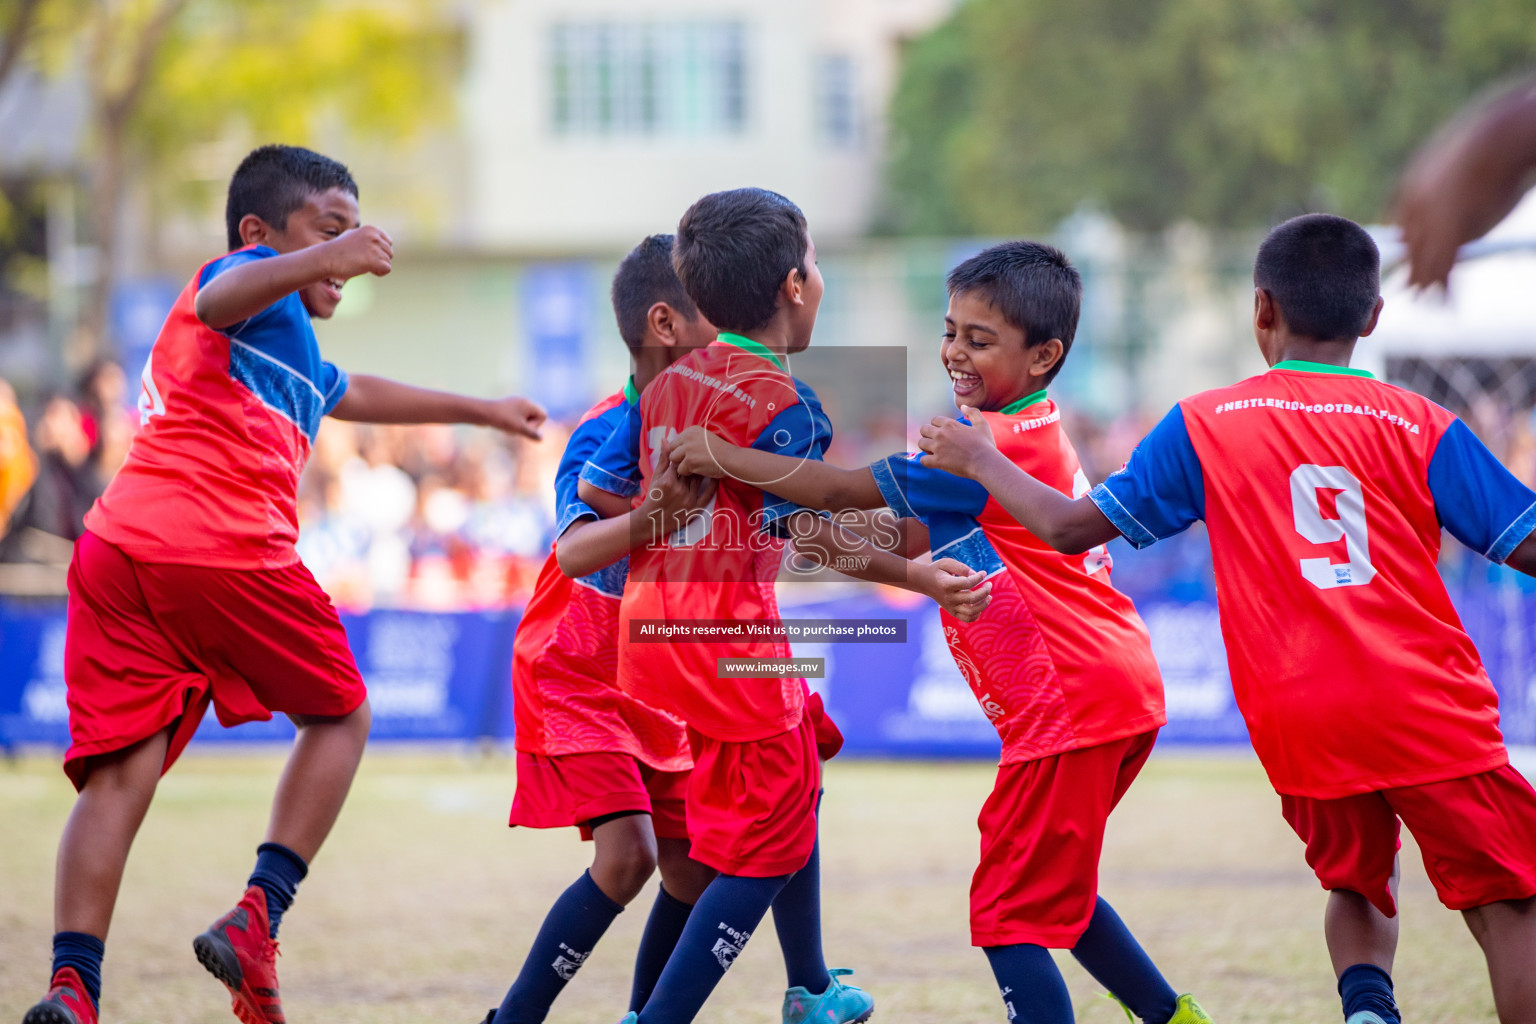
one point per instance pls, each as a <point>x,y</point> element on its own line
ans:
<point>1324,492</point>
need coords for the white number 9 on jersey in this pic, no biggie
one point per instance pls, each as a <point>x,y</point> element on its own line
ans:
<point>1347,523</point>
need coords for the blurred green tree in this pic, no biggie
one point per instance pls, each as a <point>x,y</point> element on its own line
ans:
<point>1229,113</point>
<point>166,77</point>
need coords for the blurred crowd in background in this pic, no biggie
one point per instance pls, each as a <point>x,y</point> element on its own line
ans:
<point>437,517</point>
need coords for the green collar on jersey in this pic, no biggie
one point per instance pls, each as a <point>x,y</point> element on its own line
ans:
<point>757,348</point>
<point>631,395</point>
<point>1306,367</point>
<point>1023,403</point>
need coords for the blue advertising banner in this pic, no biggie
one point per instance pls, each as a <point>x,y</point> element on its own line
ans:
<point>430,677</point>
<point>447,676</point>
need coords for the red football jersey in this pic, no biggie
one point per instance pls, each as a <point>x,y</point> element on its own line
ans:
<point>565,694</point>
<point>1324,491</point>
<point>723,567</point>
<point>1060,659</point>
<point>228,417</point>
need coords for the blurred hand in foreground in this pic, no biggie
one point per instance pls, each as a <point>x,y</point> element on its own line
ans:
<point>1465,180</point>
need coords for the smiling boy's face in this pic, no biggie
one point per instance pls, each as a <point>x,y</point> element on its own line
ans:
<point>990,365</point>
<point>324,216</point>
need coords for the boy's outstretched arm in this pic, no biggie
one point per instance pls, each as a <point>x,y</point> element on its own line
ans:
<point>241,292</point>
<point>958,590</point>
<point>592,544</point>
<point>1070,525</point>
<point>808,482</point>
<point>377,400</point>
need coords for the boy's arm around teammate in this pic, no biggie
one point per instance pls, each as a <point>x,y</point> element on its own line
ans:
<point>1070,525</point>
<point>592,544</point>
<point>809,482</point>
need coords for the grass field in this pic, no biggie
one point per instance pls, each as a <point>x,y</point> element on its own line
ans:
<point>423,903</point>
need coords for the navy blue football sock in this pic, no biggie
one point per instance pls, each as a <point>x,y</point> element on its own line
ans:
<point>797,919</point>
<point>720,925</point>
<point>82,952</point>
<point>1112,955</point>
<point>1368,987</point>
<point>1033,989</point>
<point>570,932</point>
<point>663,928</point>
<point>278,871</point>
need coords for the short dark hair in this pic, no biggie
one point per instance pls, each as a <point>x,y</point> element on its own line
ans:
<point>274,181</point>
<point>1034,286</point>
<point>1324,272</point>
<point>733,251</point>
<point>644,278</point>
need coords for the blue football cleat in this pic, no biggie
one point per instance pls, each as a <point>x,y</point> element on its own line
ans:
<point>839,1004</point>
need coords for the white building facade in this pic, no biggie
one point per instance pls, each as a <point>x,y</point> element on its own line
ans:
<point>590,123</point>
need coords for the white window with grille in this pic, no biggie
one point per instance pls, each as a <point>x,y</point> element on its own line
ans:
<point>648,78</point>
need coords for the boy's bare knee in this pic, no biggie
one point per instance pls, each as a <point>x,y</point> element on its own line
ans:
<point>357,722</point>
<point>1504,917</point>
<point>625,857</point>
<point>685,878</point>
<point>361,718</point>
<point>132,773</point>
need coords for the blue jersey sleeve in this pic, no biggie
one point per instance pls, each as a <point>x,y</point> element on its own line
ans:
<point>585,442</point>
<point>1161,490</point>
<point>802,431</point>
<point>1480,502</point>
<point>333,385</point>
<point>615,467</point>
<point>913,490</point>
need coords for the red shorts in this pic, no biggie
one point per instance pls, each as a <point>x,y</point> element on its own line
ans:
<point>1477,835</point>
<point>572,789</point>
<point>752,805</point>
<point>1042,830</point>
<point>829,738</point>
<point>150,645</point>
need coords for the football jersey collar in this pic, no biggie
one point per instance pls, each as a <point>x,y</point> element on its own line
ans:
<point>1013,408</point>
<point>1308,367</point>
<point>757,348</point>
<point>631,395</point>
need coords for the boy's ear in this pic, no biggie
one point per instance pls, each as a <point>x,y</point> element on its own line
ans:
<point>254,230</point>
<point>1266,315</point>
<point>661,321</point>
<point>793,288</point>
<point>1044,356</point>
<point>1370,325</point>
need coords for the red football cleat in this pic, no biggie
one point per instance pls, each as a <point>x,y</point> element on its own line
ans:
<point>239,951</point>
<point>67,1002</point>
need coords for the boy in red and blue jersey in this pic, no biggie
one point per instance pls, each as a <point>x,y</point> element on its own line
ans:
<point>186,589</point>
<point>1325,492</point>
<point>746,260</point>
<point>1059,661</point>
<point>590,755</point>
